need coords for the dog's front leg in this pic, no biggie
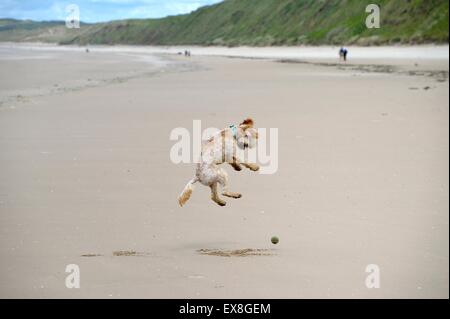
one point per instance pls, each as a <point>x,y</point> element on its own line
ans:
<point>235,164</point>
<point>250,166</point>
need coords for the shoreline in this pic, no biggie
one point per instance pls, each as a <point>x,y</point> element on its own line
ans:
<point>421,52</point>
<point>132,66</point>
<point>167,59</point>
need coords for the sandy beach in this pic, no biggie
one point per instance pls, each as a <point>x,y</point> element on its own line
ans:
<point>86,177</point>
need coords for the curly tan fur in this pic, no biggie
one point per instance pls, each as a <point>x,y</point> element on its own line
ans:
<point>220,149</point>
<point>186,194</point>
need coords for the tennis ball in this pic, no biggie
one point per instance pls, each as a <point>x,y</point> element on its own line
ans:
<point>274,240</point>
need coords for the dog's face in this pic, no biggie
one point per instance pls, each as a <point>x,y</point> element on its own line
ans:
<point>247,135</point>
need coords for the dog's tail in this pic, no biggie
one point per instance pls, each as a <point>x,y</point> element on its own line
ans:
<point>187,191</point>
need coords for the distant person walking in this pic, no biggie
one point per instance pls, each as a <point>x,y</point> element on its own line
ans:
<point>343,52</point>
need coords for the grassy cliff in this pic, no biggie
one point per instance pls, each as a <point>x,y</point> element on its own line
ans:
<point>263,23</point>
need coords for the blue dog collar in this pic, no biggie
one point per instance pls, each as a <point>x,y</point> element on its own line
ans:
<point>233,130</point>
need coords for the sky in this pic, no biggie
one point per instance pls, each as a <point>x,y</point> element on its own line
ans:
<point>98,10</point>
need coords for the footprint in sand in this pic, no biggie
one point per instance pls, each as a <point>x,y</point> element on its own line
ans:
<point>235,253</point>
<point>119,253</point>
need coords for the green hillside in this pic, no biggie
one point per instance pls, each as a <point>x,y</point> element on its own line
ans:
<point>32,31</point>
<point>269,22</point>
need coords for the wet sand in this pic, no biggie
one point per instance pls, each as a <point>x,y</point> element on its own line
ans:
<point>86,178</point>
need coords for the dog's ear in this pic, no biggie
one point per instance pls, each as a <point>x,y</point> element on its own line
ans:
<point>248,123</point>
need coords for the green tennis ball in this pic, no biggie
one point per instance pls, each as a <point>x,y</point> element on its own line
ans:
<point>274,240</point>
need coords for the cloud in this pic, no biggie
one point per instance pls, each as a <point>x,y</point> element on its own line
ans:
<point>182,7</point>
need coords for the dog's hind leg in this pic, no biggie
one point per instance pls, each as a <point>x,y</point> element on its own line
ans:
<point>223,181</point>
<point>215,196</point>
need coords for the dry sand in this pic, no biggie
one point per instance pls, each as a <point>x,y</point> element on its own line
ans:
<point>86,179</point>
